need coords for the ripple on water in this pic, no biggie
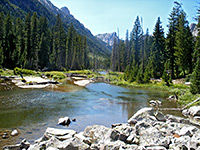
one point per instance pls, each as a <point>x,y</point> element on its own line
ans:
<point>33,110</point>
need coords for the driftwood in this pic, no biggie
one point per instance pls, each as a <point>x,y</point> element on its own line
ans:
<point>191,103</point>
<point>48,82</point>
<point>179,109</point>
<point>5,78</point>
<point>75,75</point>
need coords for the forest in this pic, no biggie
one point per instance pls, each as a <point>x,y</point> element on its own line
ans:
<point>170,55</point>
<point>34,44</point>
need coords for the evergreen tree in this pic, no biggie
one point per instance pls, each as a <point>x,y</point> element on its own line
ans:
<point>197,44</point>
<point>165,76</point>
<point>184,44</point>
<point>59,44</point>
<point>44,42</point>
<point>34,42</point>
<point>9,47</point>
<point>122,56</point>
<point>127,50</point>
<point>195,79</point>
<point>69,46</point>
<point>20,58</point>
<point>171,36</point>
<point>114,55</point>
<point>27,37</point>
<point>158,49</point>
<point>136,36</point>
<point>147,46</point>
<point>1,38</point>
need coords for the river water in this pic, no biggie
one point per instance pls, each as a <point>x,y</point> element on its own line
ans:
<point>31,111</point>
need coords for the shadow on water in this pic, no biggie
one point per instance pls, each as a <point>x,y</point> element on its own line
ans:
<point>31,111</point>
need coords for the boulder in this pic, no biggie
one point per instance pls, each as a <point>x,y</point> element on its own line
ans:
<point>73,144</point>
<point>194,111</point>
<point>14,133</point>
<point>156,148</point>
<point>187,131</point>
<point>97,133</point>
<point>147,114</point>
<point>60,132</point>
<point>155,103</point>
<point>64,121</point>
<point>23,145</point>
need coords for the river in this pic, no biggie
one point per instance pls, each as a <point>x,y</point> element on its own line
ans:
<point>31,111</point>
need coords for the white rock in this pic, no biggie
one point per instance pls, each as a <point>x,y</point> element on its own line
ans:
<point>14,133</point>
<point>194,111</point>
<point>59,132</point>
<point>64,121</point>
<point>156,148</point>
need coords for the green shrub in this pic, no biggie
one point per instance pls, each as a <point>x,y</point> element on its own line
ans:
<point>55,74</point>
<point>83,72</point>
<point>18,71</point>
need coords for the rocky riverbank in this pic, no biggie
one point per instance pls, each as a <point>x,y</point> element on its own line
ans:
<point>148,129</point>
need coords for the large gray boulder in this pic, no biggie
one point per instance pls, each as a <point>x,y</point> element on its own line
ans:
<point>194,111</point>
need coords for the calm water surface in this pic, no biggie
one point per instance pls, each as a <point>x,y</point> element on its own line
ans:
<point>31,111</point>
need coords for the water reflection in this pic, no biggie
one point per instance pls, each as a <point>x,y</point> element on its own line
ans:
<point>32,111</point>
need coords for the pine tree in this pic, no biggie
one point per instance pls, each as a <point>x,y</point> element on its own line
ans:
<point>184,44</point>
<point>114,55</point>
<point>197,44</point>
<point>34,42</point>
<point>171,36</point>
<point>136,36</point>
<point>20,44</point>
<point>165,76</point>
<point>59,44</point>
<point>9,42</point>
<point>195,79</point>
<point>44,42</point>
<point>1,38</point>
<point>27,38</point>
<point>127,50</point>
<point>158,49</point>
<point>69,46</point>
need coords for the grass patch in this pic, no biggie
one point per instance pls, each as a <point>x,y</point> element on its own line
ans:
<point>55,75</point>
<point>18,71</point>
<point>81,72</point>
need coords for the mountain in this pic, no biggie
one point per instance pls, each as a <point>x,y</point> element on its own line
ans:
<point>19,8</point>
<point>108,38</point>
<point>194,30</point>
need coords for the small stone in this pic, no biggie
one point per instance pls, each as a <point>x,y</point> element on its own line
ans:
<point>114,135</point>
<point>14,133</point>
<point>74,119</point>
<point>115,125</point>
<point>5,136</point>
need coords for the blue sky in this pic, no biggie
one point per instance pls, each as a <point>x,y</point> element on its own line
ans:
<point>105,16</point>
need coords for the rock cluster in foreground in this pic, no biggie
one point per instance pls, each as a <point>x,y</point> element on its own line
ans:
<point>146,130</point>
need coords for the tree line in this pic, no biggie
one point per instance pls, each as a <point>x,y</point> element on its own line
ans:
<point>33,44</point>
<point>142,56</point>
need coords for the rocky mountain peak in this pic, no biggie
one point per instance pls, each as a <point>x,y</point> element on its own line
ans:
<point>194,29</point>
<point>108,38</point>
<point>65,10</point>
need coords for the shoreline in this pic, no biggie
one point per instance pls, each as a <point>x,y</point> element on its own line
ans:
<point>147,129</point>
